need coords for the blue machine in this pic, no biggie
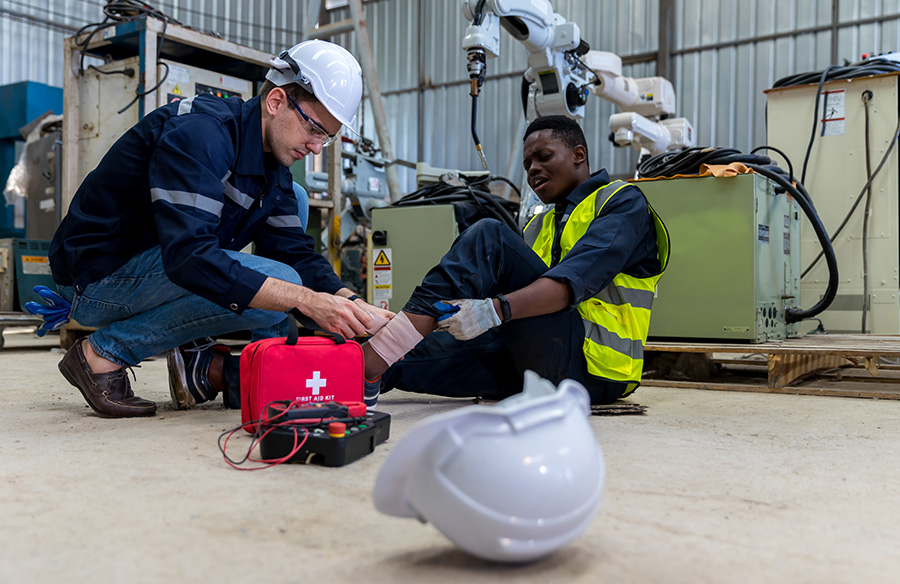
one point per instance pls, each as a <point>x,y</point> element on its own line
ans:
<point>21,103</point>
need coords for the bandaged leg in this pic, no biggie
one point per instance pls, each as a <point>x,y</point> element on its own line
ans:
<point>378,322</point>
<point>396,339</point>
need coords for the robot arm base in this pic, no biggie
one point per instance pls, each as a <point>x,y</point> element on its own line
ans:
<point>631,129</point>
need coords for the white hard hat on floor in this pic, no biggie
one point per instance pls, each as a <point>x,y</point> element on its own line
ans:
<point>326,70</point>
<point>512,482</point>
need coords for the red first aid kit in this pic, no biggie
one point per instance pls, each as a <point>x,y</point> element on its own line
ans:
<point>305,368</point>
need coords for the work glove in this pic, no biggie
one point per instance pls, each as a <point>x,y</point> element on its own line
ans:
<point>53,308</point>
<point>466,319</point>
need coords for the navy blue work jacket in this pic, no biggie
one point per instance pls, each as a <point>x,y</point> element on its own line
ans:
<point>192,178</point>
<point>621,239</point>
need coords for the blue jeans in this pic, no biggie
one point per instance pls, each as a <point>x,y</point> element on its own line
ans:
<point>488,259</point>
<point>141,313</point>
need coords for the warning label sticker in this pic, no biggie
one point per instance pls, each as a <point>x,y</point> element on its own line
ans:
<point>833,112</point>
<point>35,265</point>
<point>384,258</point>
<point>382,275</point>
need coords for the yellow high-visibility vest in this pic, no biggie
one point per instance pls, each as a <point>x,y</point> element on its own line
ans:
<point>617,319</point>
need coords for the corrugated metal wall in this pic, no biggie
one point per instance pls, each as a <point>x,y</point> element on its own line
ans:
<point>32,33</point>
<point>725,54</point>
<point>728,52</point>
<point>441,96</point>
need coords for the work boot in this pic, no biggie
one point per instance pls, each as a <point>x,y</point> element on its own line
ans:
<point>108,394</point>
<point>188,365</point>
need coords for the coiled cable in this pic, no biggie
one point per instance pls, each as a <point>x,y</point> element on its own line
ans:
<point>873,66</point>
<point>116,12</point>
<point>474,190</point>
<point>688,162</point>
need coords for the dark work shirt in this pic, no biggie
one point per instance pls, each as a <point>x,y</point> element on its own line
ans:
<point>621,239</point>
<point>192,178</point>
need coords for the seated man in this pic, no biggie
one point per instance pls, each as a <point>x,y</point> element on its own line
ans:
<point>570,301</point>
<point>149,249</point>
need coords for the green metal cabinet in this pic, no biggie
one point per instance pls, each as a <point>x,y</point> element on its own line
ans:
<point>735,259</point>
<point>415,240</point>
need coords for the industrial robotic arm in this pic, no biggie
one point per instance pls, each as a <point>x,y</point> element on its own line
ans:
<point>563,71</point>
<point>644,104</point>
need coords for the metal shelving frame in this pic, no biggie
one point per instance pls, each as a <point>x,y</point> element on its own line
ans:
<point>145,37</point>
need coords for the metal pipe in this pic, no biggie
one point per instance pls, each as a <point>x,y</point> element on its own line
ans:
<point>381,127</point>
<point>666,34</point>
<point>337,206</point>
<point>313,10</point>
<point>420,91</point>
<point>831,27</point>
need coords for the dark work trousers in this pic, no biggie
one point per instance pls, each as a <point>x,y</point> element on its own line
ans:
<point>488,259</point>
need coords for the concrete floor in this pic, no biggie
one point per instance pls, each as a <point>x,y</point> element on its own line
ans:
<point>706,487</point>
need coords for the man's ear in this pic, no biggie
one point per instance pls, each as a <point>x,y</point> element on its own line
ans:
<point>579,155</point>
<point>274,100</point>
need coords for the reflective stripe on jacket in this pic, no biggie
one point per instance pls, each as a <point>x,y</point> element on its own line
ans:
<point>192,178</point>
<point>617,319</point>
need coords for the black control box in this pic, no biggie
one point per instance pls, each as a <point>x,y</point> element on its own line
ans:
<point>329,442</point>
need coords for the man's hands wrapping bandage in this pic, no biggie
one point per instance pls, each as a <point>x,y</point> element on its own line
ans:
<point>466,319</point>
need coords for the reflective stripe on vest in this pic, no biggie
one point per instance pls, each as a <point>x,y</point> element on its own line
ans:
<point>617,319</point>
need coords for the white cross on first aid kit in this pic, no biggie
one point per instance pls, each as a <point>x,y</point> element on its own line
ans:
<point>316,382</point>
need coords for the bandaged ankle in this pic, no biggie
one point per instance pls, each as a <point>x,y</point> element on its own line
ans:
<point>396,339</point>
<point>378,322</point>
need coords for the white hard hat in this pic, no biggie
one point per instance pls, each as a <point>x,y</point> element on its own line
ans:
<point>326,70</point>
<point>511,482</point>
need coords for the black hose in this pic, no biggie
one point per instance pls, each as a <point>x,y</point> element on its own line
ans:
<point>859,198</point>
<point>526,87</point>
<point>812,136</point>
<point>688,162</point>
<point>474,190</point>
<point>479,13</point>
<point>474,113</point>
<point>874,66</point>
<point>509,182</point>
<point>793,314</point>
<point>783,155</point>
<point>866,98</point>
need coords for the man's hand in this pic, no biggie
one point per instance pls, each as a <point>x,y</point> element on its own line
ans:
<point>331,312</point>
<point>380,316</point>
<point>337,314</point>
<point>467,319</point>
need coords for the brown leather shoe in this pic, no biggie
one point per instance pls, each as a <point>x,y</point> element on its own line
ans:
<point>108,394</point>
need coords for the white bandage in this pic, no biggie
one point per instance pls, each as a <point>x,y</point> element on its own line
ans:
<point>396,339</point>
<point>378,323</point>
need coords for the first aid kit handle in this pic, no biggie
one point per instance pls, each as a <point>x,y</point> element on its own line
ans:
<point>307,322</point>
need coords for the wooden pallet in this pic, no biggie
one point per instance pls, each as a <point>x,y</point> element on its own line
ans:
<point>71,331</point>
<point>839,365</point>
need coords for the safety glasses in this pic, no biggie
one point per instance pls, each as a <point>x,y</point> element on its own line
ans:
<point>318,132</point>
